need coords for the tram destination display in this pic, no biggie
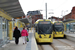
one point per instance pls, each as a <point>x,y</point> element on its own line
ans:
<point>44,22</point>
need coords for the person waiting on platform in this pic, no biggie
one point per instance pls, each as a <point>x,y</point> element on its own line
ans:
<point>24,33</point>
<point>16,34</point>
<point>27,29</point>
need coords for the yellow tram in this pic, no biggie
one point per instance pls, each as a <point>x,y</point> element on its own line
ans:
<point>44,31</point>
<point>58,29</point>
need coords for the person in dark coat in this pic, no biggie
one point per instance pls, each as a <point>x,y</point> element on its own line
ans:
<point>16,34</point>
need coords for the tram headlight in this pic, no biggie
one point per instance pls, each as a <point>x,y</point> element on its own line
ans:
<point>50,36</point>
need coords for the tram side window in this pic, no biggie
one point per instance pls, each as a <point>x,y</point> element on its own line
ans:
<point>36,29</point>
<point>52,27</point>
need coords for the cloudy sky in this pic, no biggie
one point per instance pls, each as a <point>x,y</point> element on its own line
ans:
<point>59,8</point>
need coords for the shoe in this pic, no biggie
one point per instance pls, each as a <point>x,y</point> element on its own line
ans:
<point>23,43</point>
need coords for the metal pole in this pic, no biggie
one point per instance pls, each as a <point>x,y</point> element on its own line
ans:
<point>46,10</point>
<point>58,18</point>
<point>64,15</point>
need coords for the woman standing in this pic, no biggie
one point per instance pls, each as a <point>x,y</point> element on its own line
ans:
<point>16,34</point>
<point>24,33</point>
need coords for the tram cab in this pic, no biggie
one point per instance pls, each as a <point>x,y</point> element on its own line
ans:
<point>44,31</point>
<point>58,29</point>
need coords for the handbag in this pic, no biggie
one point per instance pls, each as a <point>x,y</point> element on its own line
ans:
<point>27,39</point>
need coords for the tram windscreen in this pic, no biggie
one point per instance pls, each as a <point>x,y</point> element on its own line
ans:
<point>44,27</point>
<point>58,27</point>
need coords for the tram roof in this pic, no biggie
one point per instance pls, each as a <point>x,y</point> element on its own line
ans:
<point>41,20</point>
<point>12,7</point>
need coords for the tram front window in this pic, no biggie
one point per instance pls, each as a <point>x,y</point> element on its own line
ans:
<point>59,28</point>
<point>44,29</point>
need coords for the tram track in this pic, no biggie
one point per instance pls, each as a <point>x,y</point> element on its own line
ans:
<point>40,47</point>
<point>45,47</point>
<point>63,42</point>
<point>67,42</point>
<point>54,47</point>
<point>59,44</point>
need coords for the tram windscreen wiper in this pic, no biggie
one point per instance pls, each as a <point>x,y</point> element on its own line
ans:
<point>44,28</point>
<point>59,28</point>
<point>41,32</point>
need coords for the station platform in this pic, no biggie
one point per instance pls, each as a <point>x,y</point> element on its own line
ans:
<point>70,36</point>
<point>31,45</point>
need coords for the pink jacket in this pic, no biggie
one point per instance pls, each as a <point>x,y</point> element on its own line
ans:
<point>24,33</point>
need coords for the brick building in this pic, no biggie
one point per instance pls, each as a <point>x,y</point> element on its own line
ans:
<point>35,15</point>
<point>71,15</point>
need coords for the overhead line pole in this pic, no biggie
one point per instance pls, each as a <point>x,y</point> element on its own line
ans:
<point>46,10</point>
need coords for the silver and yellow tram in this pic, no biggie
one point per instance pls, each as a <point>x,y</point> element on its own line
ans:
<point>58,28</point>
<point>44,31</point>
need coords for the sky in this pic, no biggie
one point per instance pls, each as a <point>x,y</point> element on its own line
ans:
<point>57,8</point>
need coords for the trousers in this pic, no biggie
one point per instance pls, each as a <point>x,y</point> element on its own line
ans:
<point>24,39</point>
<point>16,40</point>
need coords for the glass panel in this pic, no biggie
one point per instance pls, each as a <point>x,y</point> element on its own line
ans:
<point>72,27</point>
<point>0,28</point>
<point>68,27</point>
<point>45,29</point>
<point>58,27</point>
<point>0,23</point>
<point>44,22</point>
<point>4,29</point>
<point>56,24</point>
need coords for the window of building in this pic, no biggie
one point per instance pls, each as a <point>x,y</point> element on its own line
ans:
<point>40,16</point>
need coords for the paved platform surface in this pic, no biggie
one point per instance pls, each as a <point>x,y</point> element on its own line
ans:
<point>31,45</point>
<point>70,34</point>
<point>32,42</point>
<point>13,46</point>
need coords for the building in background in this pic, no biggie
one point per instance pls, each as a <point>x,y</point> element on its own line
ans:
<point>70,21</point>
<point>34,15</point>
<point>71,15</point>
<point>53,19</point>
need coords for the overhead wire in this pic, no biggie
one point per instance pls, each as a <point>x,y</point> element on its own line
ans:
<point>61,5</point>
